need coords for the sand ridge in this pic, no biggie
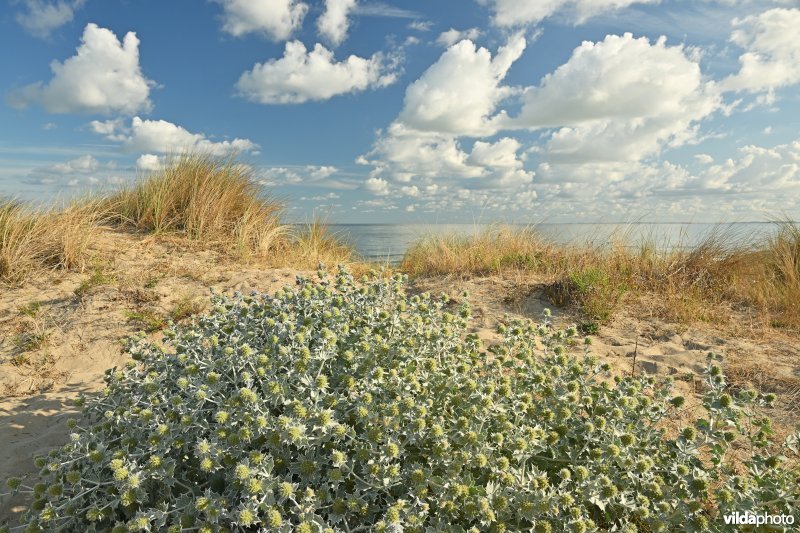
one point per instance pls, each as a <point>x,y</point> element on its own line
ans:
<point>61,332</point>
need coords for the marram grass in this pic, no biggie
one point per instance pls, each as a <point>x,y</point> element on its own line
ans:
<point>724,271</point>
<point>206,199</point>
<point>214,203</point>
<point>337,407</point>
<point>33,240</point>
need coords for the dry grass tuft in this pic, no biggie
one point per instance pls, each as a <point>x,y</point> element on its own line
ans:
<point>70,232</point>
<point>497,250</point>
<point>309,244</point>
<point>707,282</point>
<point>57,239</point>
<point>19,230</point>
<point>212,202</point>
<point>207,199</point>
<point>782,285</point>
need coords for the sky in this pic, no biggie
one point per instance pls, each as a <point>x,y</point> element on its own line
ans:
<point>416,111</point>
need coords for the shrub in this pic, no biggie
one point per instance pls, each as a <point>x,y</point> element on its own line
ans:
<point>348,407</point>
<point>595,291</point>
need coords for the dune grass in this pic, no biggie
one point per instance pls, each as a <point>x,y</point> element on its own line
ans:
<point>31,240</point>
<point>215,201</point>
<point>212,202</point>
<point>724,272</point>
<point>311,243</point>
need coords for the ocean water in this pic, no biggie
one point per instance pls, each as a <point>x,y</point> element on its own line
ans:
<point>389,242</point>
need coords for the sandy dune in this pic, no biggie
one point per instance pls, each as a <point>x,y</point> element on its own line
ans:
<point>60,333</point>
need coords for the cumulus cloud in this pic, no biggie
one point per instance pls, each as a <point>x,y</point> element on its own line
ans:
<point>334,23</point>
<point>407,155</point>
<point>599,115</point>
<point>41,17</point>
<point>605,109</point>
<point>757,180</point>
<point>452,36</point>
<point>456,97</point>
<point>103,77</point>
<point>106,127</point>
<point>66,173</point>
<point>83,164</point>
<point>149,162</point>
<point>377,186</point>
<point>523,12</point>
<point>302,75</point>
<point>276,19</point>
<point>412,191</point>
<point>757,169</point>
<point>160,136</point>
<point>772,51</point>
<point>459,93</point>
<point>296,175</point>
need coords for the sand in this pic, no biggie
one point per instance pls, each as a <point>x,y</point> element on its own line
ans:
<point>60,332</point>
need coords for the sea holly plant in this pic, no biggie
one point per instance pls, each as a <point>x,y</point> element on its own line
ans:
<point>338,406</point>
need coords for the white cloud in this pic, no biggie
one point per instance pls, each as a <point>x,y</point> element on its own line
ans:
<point>377,186</point>
<point>160,136</point>
<point>83,164</point>
<point>407,155</point>
<point>318,175</point>
<point>456,97</point>
<point>452,36</point>
<point>41,17</point>
<point>277,19</point>
<point>106,127</point>
<point>103,77</point>
<point>404,154</point>
<point>758,181</point>
<point>302,75</point>
<point>605,116</point>
<point>758,169</point>
<point>621,99</point>
<point>458,94</point>
<point>309,173</point>
<point>412,191</point>
<point>149,162</point>
<point>333,23</point>
<point>380,9</point>
<point>501,164</point>
<point>65,173</point>
<point>523,12</point>
<point>772,51</point>
<point>421,25</point>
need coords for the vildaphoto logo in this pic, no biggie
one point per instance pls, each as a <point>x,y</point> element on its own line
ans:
<point>751,519</point>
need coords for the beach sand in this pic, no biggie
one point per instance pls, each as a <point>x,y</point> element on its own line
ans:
<point>60,332</point>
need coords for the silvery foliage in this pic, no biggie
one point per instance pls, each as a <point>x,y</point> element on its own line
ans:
<point>343,406</point>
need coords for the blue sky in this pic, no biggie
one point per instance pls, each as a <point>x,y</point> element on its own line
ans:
<point>417,111</point>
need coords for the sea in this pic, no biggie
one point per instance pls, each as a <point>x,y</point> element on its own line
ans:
<point>387,243</point>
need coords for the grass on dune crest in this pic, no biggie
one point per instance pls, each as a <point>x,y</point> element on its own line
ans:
<point>724,271</point>
<point>309,244</point>
<point>207,199</point>
<point>212,202</point>
<point>31,240</point>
